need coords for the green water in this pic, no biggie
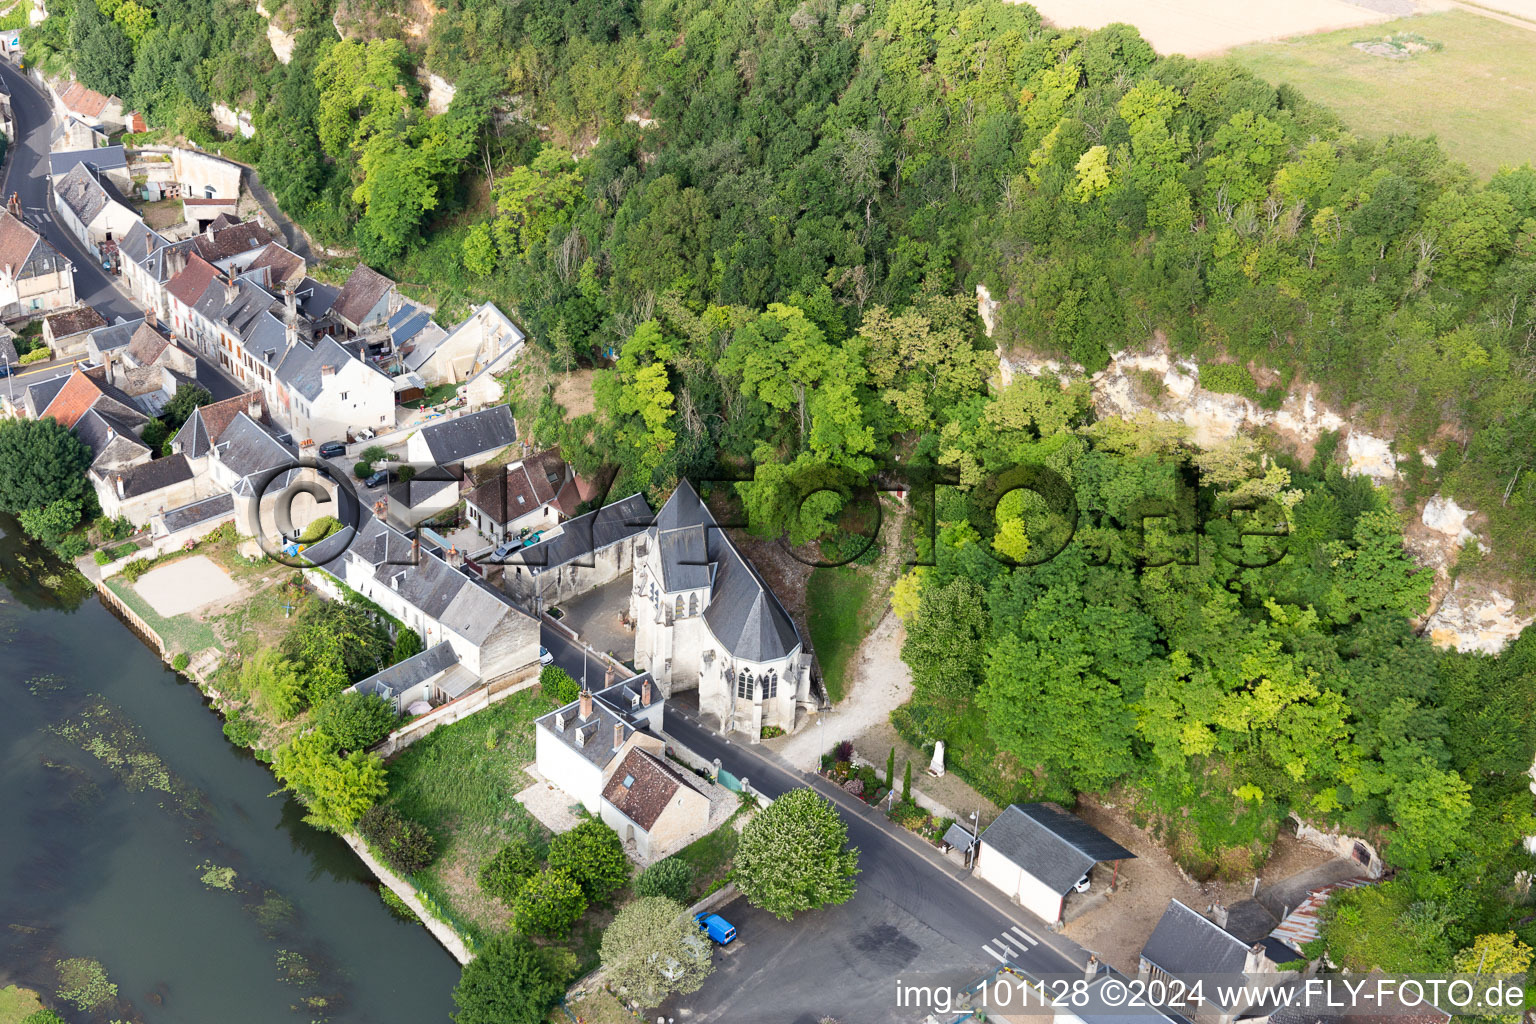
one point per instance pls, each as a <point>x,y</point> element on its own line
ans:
<point>123,810</point>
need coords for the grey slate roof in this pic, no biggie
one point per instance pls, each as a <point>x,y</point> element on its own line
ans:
<point>140,243</point>
<point>591,737</point>
<point>45,391</point>
<point>153,476</point>
<point>315,298</point>
<point>1185,942</point>
<point>85,194</point>
<point>416,490</point>
<point>1055,847</point>
<point>302,367</point>
<point>8,349</point>
<point>247,447</point>
<point>586,534</point>
<point>627,697</point>
<point>458,439</point>
<point>105,158</point>
<point>195,512</point>
<point>115,336</point>
<point>363,291</point>
<point>743,613</point>
<point>99,430</point>
<point>418,668</point>
<point>958,836</point>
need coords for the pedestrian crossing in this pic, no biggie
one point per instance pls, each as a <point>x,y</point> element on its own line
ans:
<point>1012,943</point>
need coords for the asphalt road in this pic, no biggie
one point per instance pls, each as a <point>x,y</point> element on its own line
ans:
<point>27,175</point>
<point>911,920</point>
<point>573,657</point>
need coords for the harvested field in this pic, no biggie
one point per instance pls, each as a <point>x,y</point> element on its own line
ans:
<point>1200,28</point>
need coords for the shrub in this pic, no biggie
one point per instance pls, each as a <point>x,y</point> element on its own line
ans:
<point>242,730</point>
<point>319,529</point>
<point>771,731</point>
<point>558,685</point>
<point>136,568</point>
<point>404,844</point>
<point>407,644</point>
<point>843,751</point>
<point>1229,379</point>
<point>405,473</point>
<point>101,557</point>
<point>354,720</point>
<point>503,875</point>
<point>363,470</point>
<point>548,904</point>
<point>593,855</point>
<point>43,1017</point>
<point>37,355</point>
<point>375,453</point>
<point>672,877</point>
<point>181,661</point>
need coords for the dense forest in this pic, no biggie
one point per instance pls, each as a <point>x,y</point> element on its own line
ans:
<point>775,215</point>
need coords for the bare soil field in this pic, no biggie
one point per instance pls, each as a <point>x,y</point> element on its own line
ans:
<point>1199,28</point>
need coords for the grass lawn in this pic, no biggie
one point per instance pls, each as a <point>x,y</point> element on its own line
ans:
<point>437,394</point>
<point>460,781</point>
<point>17,1004</point>
<point>1476,93</point>
<point>710,855</point>
<point>837,610</point>
<point>183,633</point>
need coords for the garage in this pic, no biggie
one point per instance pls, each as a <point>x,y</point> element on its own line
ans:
<point>1037,853</point>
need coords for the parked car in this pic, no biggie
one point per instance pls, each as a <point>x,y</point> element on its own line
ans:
<point>5,369</point>
<point>503,551</point>
<point>380,477</point>
<point>716,927</point>
<point>544,656</point>
<point>366,434</point>
<point>1081,885</point>
<point>332,450</point>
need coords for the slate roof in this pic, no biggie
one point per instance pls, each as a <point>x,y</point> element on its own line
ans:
<point>109,438</point>
<point>140,243</point>
<point>521,488</point>
<point>74,321</point>
<point>207,423</point>
<point>591,737</point>
<point>627,698</point>
<point>586,534</point>
<point>643,785</point>
<point>315,298</point>
<point>86,195</point>
<point>280,262</point>
<point>115,336</point>
<point>103,158</point>
<point>196,512</point>
<point>147,344</point>
<point>20,246</point>
<point>743,613</point>
<point>8,349</point>
<point>153,476</point>
<point>417,490</point>
<point>958,836</point>
<point>43,392</point>
<point>1186,942</point>
<point>407,322</point>
<point>246,447</point>
<point>81,100</point>
<point>455,440</point>
<point>303,367</point>
<point>362,292</point>
<point>221,243</point>
<point>1055,847</point>
<point>401,676</point>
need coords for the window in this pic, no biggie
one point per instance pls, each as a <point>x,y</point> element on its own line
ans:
<point>771,684</point>
<point>209,192</point>
<point>677,606</point>
<point>744,684</point>
<point>693,604</point>
<point>343,396</point>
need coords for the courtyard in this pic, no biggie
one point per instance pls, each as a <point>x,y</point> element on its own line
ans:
<point>598,617</point>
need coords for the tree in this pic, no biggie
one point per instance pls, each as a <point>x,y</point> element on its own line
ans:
<point>906,783</point>
<point>558,685</point>
<point>336,643</point>
<point>155,434</point>
<point>671,877</point>
<point>52,521</point>
<point>945,644</point>
<point>187,399</point>
<point>406,845</point>
<point>503,875</point>
<point>41,462</point>
<point>593,855</point>
<point>407,645</point>
<point>274,683</point>
<point>793,856</point>
<point>103,55</point>
<point>354,720</point>
<point>507,983</point>
<point>890,769</point>
<point>1499,953</point>
<point>335,789</point>
<point>548,903</point>
<point>653,950</point>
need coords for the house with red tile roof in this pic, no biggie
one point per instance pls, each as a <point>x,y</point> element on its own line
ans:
<point>88,105</point>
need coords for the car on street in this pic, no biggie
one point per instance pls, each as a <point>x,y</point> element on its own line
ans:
<point>544,656</point>
<point>332,450</point>
<point>716,927</point>
<point>5,369</point>
<point>378,478</point>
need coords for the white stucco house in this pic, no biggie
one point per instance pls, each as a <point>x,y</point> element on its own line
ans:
<point>328,392</point>
<point>466,441</point>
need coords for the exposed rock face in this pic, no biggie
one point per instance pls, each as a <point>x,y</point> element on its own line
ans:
<point>986,307</point>
<point>1443,515</point>
<point>281,41</point>
<point>1475,617</point>
<point>440,92</point>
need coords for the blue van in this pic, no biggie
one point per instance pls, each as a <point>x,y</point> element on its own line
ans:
<point>718,928</point>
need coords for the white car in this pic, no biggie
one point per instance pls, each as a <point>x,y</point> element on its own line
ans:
<point>1081,885</point>
<point>544,656</point>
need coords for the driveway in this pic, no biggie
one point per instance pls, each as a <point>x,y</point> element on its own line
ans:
<point>916,917</point>
<point>27,175</point>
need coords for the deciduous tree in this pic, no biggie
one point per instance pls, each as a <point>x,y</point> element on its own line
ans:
<point>794,856</point>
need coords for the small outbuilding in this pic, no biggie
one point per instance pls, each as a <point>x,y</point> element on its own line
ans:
<point>1037,853</point>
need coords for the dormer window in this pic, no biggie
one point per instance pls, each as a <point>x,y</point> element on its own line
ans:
<point>559,721</point>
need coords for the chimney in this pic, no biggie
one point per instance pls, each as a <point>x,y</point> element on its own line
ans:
<point>1219,914</point>
<point>1091,968</point>
<point>120,494</point>
<point>253,409</point>
<point>645,692</point>
<point>111,435</point>
<point>416,550</point>
<point>13,205</point>
<point>231,288</point>
<point>608,677</point>
<point>291,334</point>
<point>586,695</point>
<point>150,318</point>
<point>290,304</point>
<point>327,370</point>
<point>618,735</point>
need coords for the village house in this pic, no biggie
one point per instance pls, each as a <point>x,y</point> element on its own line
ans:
<point>492,638</point>
<point>92,209</point>
<point>529,495</point>
<point>466,441</point>
<point>34,277</point>
<point>486,340</point>
<point>329,393</point>
<point>149,367</point>
<point>1036,854</point>
<point>365,301</point>
<point>88,105</point>
<point>420,682</point>
<point>204,176</point>
<point>705,619</point>
<point>109,162</point>
<point>1186,944</point>
<point>75,134</point>
<point>68,331</point>
<point>650,802</point>
<point>579,746</point>
<point>140,492</point>
<point>422,497</point>
<point>579,555</point>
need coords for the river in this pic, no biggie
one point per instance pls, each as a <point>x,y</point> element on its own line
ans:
<point>123,810</point>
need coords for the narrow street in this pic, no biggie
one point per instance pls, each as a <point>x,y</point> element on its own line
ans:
<point>26,174</point>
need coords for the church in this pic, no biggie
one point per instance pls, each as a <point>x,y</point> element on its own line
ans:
<point>704,618</point>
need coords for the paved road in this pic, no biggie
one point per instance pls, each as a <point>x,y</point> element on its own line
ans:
<point>27,176</point>
<point>573,657</point>
<point>912,919</point>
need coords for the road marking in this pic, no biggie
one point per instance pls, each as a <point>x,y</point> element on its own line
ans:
<point>1008,942</point>
<point>1025,936</point>
<point>995,954</point>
